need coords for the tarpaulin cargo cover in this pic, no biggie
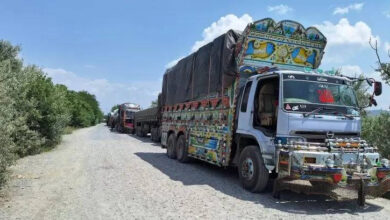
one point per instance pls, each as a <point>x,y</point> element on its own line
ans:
<point>203,73</point>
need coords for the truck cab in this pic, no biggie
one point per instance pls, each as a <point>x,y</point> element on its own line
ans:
<point>307,126</point>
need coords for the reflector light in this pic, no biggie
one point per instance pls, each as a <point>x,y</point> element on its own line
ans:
<point>337,177</point>
<point>381,175</point>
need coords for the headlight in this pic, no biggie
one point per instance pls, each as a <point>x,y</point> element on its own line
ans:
<point>289,140</point>
<point>292,140</point>
<point>385,163</point>
<point>329,163</point>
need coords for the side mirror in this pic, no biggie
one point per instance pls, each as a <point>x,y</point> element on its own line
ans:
<point>377,88</point>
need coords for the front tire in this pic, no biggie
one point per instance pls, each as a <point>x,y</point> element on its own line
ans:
<point>252,171</point>
<point>171,147</point>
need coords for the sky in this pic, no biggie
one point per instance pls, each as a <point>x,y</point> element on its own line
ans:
<point>119,49</point>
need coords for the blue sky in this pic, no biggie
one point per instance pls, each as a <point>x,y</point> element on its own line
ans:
<point>119,49</point>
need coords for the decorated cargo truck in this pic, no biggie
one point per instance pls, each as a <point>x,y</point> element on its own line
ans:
<point>149,121</point>
<point>124,122</point>
<point>257,100</point>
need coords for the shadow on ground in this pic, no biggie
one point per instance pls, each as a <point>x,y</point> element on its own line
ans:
<point>145,140</point>
<point>226,181</point>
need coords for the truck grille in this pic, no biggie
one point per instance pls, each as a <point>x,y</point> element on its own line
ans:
<point>320,136</point>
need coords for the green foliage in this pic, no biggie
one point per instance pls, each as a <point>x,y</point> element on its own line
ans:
<point>85,109</point>
<point>115,107</point>
<point>376,130</point>
<point>154,104</point>
<point>33,111</point>
<point>362,95</point>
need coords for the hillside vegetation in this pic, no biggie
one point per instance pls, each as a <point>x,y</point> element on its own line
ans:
<point>34,111</point>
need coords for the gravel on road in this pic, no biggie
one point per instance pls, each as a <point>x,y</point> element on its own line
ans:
<point>98,174</point>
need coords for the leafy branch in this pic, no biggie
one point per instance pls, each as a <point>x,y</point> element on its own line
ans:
<point>383,68</point>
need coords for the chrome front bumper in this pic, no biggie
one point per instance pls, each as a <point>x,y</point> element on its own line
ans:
<point>338,163</point>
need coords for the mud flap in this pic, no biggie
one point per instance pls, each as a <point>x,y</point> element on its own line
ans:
<point>361,193</point>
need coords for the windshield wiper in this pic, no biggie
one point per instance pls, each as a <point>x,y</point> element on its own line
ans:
<point>316,111</point>
<point>343,114</point>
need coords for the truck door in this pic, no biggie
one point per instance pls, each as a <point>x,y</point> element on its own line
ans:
<point>244,114</point>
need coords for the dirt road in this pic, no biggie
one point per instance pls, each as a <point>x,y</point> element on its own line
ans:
<point>96,174</point>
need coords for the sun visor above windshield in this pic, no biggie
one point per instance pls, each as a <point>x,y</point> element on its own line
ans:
<point>286,45</point>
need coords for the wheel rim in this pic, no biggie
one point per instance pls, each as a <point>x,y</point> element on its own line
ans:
<point>247,168</point>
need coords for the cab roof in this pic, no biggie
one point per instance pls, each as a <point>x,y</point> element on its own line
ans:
<point>280,72</point>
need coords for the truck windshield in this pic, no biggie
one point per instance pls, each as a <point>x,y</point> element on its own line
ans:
<point>129,114</point>
<point>305,93</point>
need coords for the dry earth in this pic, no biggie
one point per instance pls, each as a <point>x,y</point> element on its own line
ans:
<point>97,174</point>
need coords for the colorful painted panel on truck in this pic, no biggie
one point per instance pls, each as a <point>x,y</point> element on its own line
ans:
<point>210,136</point>
<point>286,44</point>
<point>208,125</point>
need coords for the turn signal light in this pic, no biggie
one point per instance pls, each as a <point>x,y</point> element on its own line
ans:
<point>337,177</point>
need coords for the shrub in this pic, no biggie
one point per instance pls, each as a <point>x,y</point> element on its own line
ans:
<point>33,111</point>
<point>376,130</point>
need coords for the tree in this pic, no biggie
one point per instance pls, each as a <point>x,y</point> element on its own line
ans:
<point>383,68</point>
<point>34,111</point>
<point>85,109</point>
<point>154,104</point>
<point>115,107</point>
<point>376,130</point>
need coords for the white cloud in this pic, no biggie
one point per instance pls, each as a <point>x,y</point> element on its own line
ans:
<point>108,93</point>
<point>351,70</point>
<point>173,62</point>
<point>344,33</point>
<point>216,29</point>
<point>220,27</point>
<point>345,10</point>
<point>280,9</point>
<point>387,47</point>
<point>387,13</point>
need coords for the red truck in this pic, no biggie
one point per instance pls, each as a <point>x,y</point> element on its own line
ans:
<point>124,122</point>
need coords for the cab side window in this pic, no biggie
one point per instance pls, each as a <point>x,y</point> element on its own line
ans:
<point>245,97</point>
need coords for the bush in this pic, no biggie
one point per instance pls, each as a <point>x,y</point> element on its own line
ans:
<point>376,130</point>
<point>33,111</point>
<point>85,109</point>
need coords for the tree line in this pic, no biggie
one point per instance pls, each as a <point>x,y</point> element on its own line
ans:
<point>34,111</point>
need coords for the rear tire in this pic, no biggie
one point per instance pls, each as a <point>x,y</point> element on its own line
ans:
<point>182,149</point>
<point>153,134</point>
<point>252,171</point>
<point>171,148</point>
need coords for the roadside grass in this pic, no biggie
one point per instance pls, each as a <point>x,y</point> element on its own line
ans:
<point>69,129</point>
<point>387,195</point>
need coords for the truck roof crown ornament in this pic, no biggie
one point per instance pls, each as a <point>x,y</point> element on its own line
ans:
<point>286,44</point>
